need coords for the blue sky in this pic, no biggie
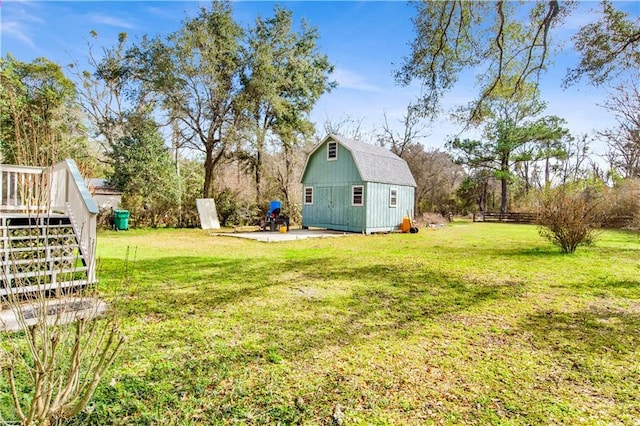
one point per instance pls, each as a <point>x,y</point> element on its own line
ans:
<point>365,40</point>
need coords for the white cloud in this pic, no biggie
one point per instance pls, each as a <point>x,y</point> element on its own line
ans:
<point>17,31</point>
<point>585,13</point>
<point>352,80</point>
<point>18,20</point>
<point>101,19</point>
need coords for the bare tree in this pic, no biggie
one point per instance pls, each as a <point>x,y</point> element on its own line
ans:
<point>437,177</point>
<point>412,132</point>
<point>570,215</point>
<point>103,92</point>
<point>435,172</point>
<point>624,140</point>
<point>577,163</point>
<point>346,126</point>
<point>65,351</point>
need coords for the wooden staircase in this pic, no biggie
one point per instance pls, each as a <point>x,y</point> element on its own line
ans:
<point>47,230</point>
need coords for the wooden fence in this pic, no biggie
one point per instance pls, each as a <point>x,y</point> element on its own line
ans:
<point>506,217</point>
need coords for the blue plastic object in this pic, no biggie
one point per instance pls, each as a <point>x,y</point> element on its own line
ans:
<point>272,206</point>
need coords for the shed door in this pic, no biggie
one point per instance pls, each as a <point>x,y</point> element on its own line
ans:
<point>325,200</point>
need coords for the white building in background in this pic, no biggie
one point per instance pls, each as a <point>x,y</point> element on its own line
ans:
<point>105,196</point>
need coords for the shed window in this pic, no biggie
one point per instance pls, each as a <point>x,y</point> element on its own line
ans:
<point>357,195</point>
<point>308,195</point>
<point>332,151</point>
<point>393,197</point>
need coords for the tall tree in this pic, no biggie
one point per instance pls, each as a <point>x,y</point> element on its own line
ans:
<point>624,140</point>
<point>40,119</point>
<point>195,73</point>
<point>284,77</point>
<point>577,163</point>
<point>538,160</point>
<point>511,126</point>
<point>111,91</point>
<point>411,132</point>
<point>143,169</point>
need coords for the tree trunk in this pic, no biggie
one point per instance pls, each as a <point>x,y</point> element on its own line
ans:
<point>503,195</point>
<point>261,136</point>
<point>547,173</point>
<point>208,174</point>
<point>504,182</point>
<point>258,174</point>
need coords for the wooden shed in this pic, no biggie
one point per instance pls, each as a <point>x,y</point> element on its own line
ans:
<point>357,187</point>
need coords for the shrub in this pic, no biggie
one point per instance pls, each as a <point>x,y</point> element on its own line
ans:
<point>623,205</point>
<point>570,216</point>
<point>53,351</point>
<point>432,219</point>
<point>232,211</point>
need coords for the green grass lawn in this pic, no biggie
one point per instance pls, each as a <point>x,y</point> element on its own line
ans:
<point>473,323</point>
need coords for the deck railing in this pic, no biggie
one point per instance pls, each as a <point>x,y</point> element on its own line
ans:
<point>51,190</point>
<point>23,188</point>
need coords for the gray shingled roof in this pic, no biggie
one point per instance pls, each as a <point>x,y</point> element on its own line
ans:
<point>376,164</point>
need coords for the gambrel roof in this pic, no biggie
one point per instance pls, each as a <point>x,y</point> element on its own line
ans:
<point>374,163</point>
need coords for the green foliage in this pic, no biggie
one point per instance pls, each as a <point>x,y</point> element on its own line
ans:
<point>506,39</point>
<point>195,74</point>
<point>511,124</point>
<point>40,120</point>
<point>227,92</point>
<point>191,182</point>
<point>284,76</point>
<point>232,211</point>
<point>570,215</point>
<point>607,47</point>
<point>498,38</point>
<point>144,172</point>
<point>475,190</point>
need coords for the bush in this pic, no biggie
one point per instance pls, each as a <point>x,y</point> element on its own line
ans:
<point>623,205</point>
<point>232,211</point>
<point>432,219</point>
<point>570,216</point>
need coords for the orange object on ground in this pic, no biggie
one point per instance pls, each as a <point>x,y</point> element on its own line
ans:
<point>406,224</point>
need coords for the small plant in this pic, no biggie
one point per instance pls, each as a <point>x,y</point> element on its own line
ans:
<point>55,353</point>
<point>57,338</point>
<point>570,216</point>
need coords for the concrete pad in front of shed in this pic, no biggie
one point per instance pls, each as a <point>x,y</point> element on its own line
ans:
<point>292,235</point>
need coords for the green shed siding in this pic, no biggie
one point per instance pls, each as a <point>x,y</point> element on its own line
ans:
<point>322,171</point>
<point>380,216</point>
<point>332,209</point>
<point>332,182</point>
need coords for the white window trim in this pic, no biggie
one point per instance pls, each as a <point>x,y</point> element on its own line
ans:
<point>353,189</point>
<point>336,157</point>
<point>304,194</point>
<point>393,204</point>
